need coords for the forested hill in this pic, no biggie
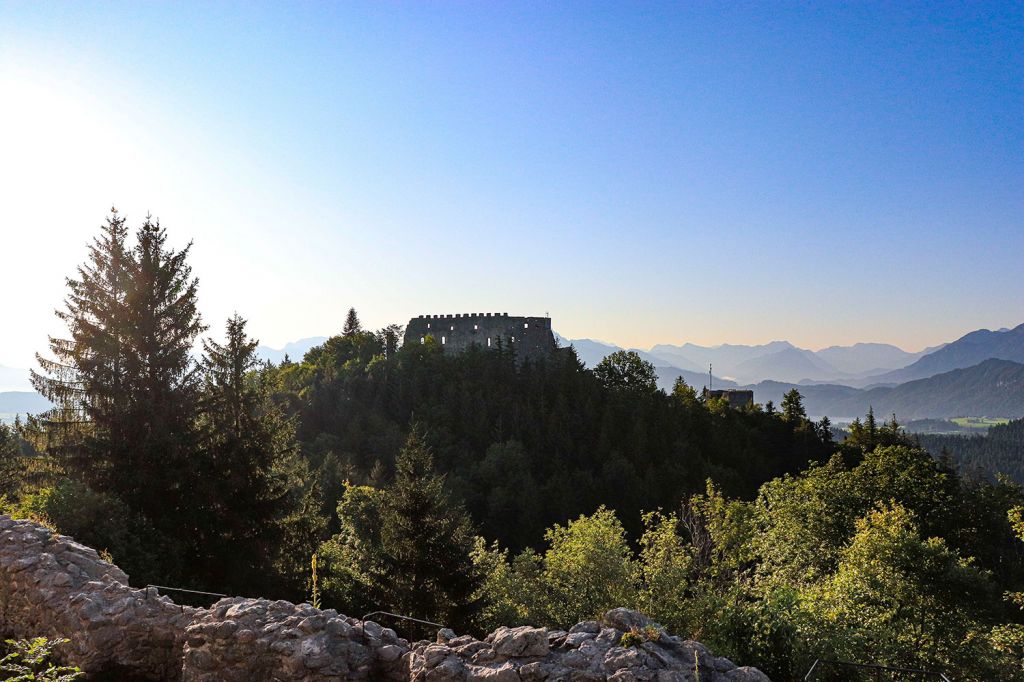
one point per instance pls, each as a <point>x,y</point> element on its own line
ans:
<point>993,387</point>
<point>532,445</point>
<point>1000,451</point>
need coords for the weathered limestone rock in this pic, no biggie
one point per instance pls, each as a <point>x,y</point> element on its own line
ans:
<point>522,642</point>
<point>55,587</point>
<point>52,586</point>
<point>588,651</point>
<point>243,639</point>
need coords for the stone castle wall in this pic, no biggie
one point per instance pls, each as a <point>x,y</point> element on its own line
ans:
<point>52,586</point>
<point>531,337</point>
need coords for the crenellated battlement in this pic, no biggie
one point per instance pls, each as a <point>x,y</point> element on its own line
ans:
<point>530,337</point>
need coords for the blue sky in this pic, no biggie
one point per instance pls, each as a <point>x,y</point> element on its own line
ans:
<point>647,173</point>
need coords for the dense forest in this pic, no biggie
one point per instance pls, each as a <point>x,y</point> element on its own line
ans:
<point>999,451</point>
<point>476,489</point>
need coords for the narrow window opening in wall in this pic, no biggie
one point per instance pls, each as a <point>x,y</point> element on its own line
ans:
<point>513,339</point>
<point>526,325</point>
<point>428,325</point>
<point>476,327</point>
<point>488,342</point>
<point>453,327</point>
<point>443,340</point>
<point>423,339</point>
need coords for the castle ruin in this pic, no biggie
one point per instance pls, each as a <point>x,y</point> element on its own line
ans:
<point>530,337</point>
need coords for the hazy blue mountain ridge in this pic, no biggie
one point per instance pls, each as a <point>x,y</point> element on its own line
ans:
<point>992,388</point>
<point>863,358</point>
<point>966,351</point>
<point>294,350</point>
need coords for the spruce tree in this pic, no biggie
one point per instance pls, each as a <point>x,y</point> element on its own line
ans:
<point>162,380</point>
<point>871,428</point>
<point>824,429</point>
<point>247,449</point>
<point>426,542</point>
<point>86,377</point>
<point>793,406</point>
<point>123,381</point>
<point>352,324</point>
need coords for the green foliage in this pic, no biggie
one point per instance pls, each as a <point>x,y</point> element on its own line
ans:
<point>124,383</point>
<point>525,445</point>
<point>408,547</point>
<point>793,406</point>
<point>624,370</point>
<point>668,568</point>
<point>587,569</point>
<point>897,599</point>
<point>889,559</point>
<point>29,661</point>
<point>102,521</point>
<point>246,469</point>
<point>10,459</point>
<point>984,456</point>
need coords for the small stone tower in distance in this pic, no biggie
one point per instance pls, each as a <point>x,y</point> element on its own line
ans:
<point>530,337</point>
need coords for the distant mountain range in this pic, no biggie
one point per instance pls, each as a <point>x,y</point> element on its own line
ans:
<point>990,388</point>
<point>979,374</point>
<point>782,361</point>
<point>968,350</point>
<point>294,350</point>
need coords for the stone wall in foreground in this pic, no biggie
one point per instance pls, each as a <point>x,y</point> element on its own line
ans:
<point>52,586</point>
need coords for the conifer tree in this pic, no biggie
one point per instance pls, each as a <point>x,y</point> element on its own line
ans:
<point>427,541</point>
<point>247,449</point>
<point>86,377</point>
<point>871,428</point>
<point>123,382</point>
<point>10,455</point>
<point>352,324</point>
<point>824,429</point>
<point>793,406</point>
<point>162,379</point>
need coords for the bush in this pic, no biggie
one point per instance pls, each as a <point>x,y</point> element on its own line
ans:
<point>29,661</point>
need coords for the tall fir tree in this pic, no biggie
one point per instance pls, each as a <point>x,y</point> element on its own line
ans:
<point>871,428</point>
<point>406,547</point>
<point>123,383</point>
<point>162,380</point>
<point>86,377</point>
<point>352,324</point>
<point>793,406</point>
<point>248,452</point>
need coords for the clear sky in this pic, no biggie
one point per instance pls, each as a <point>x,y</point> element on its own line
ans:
<point>647,173</point>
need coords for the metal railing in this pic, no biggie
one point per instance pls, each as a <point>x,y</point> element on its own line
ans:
<point>165,588</point>
<point>362,623</point>
<point>877,669</point>
<point>182,589</point>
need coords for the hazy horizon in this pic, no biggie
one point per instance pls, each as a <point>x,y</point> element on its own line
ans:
<point>281,345</point>
<point>646,174</point>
